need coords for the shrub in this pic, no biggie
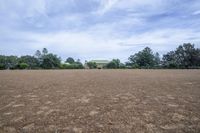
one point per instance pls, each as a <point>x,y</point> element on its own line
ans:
<point>2,67</point>
<point>92,65</point>
<point>72,66</point>
<point>23,66</point>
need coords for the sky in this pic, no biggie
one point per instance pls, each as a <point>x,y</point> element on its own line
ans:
<point>97,29</point>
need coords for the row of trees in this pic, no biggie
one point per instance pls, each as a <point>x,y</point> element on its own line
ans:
<point>41,60</point>
<point>114,64</point>
<point>185,56</point>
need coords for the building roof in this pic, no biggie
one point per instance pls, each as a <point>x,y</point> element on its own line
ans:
<point>100,61</point>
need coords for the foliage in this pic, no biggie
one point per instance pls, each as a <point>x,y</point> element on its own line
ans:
<point>44,51</point>
<point>144,59</point>
<point>122,66</point>
<point>2,62</point>
<point>91,65</point>
<point>157,60</point>
<point>23,66</point>
<point>70,60</point>
<point>185,56</point>
<point>114,64</point>
<point>78,65</point>
<point>2,66</point>
<point>8,62</point>
<point>72,66</point>
<point>31,61</point>
<point>169,60</point>
<point>50,61</point>
<point>47,60</point>
<point>38,54</point>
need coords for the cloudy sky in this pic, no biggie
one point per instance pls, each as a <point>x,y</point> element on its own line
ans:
<point>97,29</point>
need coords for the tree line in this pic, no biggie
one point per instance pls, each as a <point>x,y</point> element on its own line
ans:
<point>185,56</point>
<point>41,60</point>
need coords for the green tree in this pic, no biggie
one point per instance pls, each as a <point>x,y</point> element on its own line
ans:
<point>72,66</point>
<point>44,51</point>
<point>170,60</point>
<point>38,54</point>
<point>197,58</point>
<point>2,67</point>
<point>143,59</point>
<point>114,64</point>
<point>2,62</point>
<point>31,61</point>
<point>8,62</point>
<point>78,64</point>
<point>70,60</point>
<point>122,66</point>
<point>46,60</point>
<point>185,56</point>
<point>11,62</point>
<point>91,64</point>
<point>157,60</point>
<point>50,61</point>
<point>23,66</point>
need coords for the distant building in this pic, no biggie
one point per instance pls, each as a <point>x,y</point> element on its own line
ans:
<point>100,63</point>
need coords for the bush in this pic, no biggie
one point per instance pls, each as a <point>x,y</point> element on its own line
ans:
<point>114,64</point>
<point>72,66</point>
<point>122,66</point>
<point>23,66</point>
<point>2,67</point>
<point>135,66</point>
<point>92,65</point>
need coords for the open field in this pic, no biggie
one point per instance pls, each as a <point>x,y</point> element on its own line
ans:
<point>116,101</point>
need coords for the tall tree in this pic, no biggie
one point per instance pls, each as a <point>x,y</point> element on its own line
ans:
<point>31,61</point>
<point>143,59</point>
<point>38,54</point>
<point>170,60</point>
<point>114,64</point>
<point>51,61</point>
<point>157,59</point>
<point>2,62</point>
<point>11,62</point>
<point>70,60</point>
<point>91,64</point>
<point>185,56</point>
<point>44,51</point>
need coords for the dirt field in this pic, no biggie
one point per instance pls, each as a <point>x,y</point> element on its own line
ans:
<point>113,101</point>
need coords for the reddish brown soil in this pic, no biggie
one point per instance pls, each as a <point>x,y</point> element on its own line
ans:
<point>112,101</point>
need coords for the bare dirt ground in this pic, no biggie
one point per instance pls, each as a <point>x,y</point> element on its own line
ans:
<point>112,101</point>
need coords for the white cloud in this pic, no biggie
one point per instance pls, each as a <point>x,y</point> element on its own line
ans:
<point>87,45</point>
<point>133,5</point>
<point>99,33</point>
<point>105,6</point>
<point>196,12</point>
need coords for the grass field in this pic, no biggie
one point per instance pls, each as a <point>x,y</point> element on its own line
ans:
<point>113,101</point>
